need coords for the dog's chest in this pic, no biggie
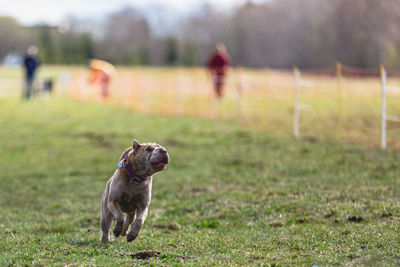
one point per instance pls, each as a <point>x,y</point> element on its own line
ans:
<point>129,203</point>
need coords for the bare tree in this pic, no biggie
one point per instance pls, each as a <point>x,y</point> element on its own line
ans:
<point>126,37</point>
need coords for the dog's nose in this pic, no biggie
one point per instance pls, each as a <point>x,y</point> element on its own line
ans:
<point>163,151</point>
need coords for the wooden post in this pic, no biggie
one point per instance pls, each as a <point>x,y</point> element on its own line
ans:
<point>383,120</point>
<point>340,100</point>
<point>296,104</point>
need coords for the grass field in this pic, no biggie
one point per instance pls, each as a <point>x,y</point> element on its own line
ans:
<point>231,195</point>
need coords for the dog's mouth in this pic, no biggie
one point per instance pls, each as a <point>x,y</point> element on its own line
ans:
<point>160,164</point>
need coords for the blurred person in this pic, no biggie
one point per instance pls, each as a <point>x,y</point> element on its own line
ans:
<point>218,66</point>
<point>31,63</point>
<point>100,73</point>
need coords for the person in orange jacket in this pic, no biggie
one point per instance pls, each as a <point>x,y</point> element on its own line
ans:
<point>101,72</point>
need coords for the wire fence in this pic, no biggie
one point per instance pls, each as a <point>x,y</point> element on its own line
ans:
<point>342,103</point>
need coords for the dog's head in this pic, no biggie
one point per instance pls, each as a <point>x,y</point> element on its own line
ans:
<point>148,158</point>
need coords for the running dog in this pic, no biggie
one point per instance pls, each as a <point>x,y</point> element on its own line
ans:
<point>129,189</point>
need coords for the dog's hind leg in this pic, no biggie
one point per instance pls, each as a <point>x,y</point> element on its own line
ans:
<point>105,222</point>
<point>106,216</point>
<point>128,221</point>
<point>113,207</point>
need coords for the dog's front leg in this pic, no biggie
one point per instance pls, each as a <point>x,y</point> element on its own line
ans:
<point>141,215</point>
<point>119,217</point>
<point>128,221</point>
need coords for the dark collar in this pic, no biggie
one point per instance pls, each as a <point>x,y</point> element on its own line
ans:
<point>125,163</point>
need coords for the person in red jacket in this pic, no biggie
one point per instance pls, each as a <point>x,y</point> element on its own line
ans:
<point>218,65</point>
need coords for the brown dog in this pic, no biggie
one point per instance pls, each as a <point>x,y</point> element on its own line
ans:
<point>129,189</point>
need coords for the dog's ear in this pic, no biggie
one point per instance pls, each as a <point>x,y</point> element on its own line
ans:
<point>135,144</point>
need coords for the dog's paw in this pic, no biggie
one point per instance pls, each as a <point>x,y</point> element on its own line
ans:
<point>117,229</point>
<point>131,236</point>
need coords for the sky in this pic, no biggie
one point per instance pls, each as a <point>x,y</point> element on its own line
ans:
<point>29,12</point>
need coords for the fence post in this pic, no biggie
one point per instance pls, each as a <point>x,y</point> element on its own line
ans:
<point>383,120</point>
<point>340,100</point>
<point>296,106</point>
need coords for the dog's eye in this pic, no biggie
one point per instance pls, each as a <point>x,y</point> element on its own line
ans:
<point>149,149</point>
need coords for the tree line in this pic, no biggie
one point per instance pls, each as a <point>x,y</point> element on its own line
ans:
<point>277,34</point>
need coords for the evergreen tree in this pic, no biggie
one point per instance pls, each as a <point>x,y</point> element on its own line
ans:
<point>189,54</point>
<point>46,47</point>
<point>171,55</point>
<point>86,46</point>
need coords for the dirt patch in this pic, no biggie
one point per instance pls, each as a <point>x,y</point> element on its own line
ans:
<point>345,232</point>
<point>352,256</point>
<point>244,136</point>
<point>86,222</point>
<point>257,257</point>
<point>386,215</point>
<point>171,226</point>
<point>81,244</point>
<point>309,139</point>
<point>99,139</point>
<point>301,220</point>
<point>171,142</point>
<point>145,255</point>
<point>330,214</point>
<point>250,164</point>
<point>196,190</point>
<point>234,161</point>
<point>276,224</point>
<point>355,219</point>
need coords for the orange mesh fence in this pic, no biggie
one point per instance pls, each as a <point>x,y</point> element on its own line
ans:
<point>258,98</point>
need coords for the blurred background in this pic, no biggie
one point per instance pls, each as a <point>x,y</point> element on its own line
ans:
<point>257,34</point>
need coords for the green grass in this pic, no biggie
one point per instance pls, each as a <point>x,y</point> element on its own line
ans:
<point>231,196</point>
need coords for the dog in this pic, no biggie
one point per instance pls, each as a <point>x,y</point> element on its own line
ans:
<point>129,189</point>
